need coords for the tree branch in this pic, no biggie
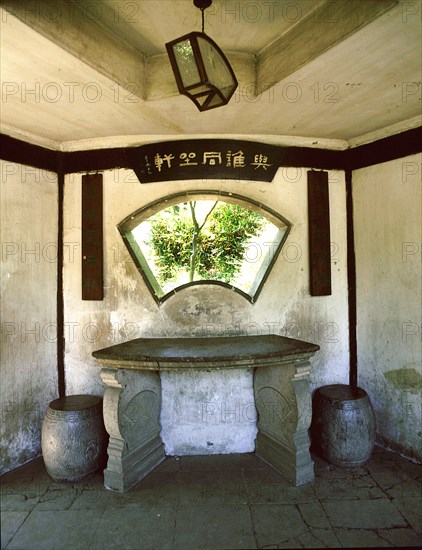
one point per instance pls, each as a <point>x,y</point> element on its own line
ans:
<point>207,216</point>
<point>196,231</point>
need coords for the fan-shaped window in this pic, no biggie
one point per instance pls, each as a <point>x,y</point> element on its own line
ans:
<point>204,237</point>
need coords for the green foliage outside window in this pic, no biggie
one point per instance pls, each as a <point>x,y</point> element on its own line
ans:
<point>208,244</point>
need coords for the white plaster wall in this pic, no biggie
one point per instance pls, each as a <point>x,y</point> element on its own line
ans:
<point>204,413</point>
<point>387,217</point>
<point>28,307</point>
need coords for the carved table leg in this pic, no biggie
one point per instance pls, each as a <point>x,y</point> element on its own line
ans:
<point>132,404</point>
<point>283,401</point>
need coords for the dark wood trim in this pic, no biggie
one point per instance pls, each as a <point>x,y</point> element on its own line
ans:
<point>386,149</point>
<point>319,234</point>
<point>308,157</point>
<point>351,283</point>
<point>21,152</point>
<point>95,160</point>
<point>60,295</point>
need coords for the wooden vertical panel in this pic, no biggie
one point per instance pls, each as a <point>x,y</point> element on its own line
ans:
<point>92,237</point>
<point>351,284</point>
<point>61,379</point>
<point>319,233</point>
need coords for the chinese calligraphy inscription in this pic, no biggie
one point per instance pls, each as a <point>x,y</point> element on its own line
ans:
<point>202,159</point>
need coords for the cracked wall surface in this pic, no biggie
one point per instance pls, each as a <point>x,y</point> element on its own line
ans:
<point>387,218</point>
<point>28,379</point>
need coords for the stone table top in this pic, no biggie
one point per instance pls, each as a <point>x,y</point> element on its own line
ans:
<point>196,353</point>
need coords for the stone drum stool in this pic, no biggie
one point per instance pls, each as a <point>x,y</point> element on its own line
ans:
<point>343,425</point>
<point>74,439</point>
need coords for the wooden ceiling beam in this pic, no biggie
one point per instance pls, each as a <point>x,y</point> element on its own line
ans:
<point>66,25</point>
<point>331,23</point>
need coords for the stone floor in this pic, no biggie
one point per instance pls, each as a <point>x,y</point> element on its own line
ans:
<point>225,501</point>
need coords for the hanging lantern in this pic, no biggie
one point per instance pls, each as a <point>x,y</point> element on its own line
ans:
<point>201,69</point>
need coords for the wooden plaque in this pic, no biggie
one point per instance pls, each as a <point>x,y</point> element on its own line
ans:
<point>319,234</point>
<point>92,237</point>
<point>205,159</point>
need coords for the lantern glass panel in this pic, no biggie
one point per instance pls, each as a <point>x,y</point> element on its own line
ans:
<point>201,99</point>
<point>216,101</point>
<point>218,74</point>
<point>186,63</point>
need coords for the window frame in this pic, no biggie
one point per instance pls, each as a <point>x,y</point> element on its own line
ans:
<point>142,214</point>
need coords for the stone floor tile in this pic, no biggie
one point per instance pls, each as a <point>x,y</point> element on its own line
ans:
<point>99,499</point>
<point>411,510</point>
<point>161,489</point>
<point>265,486</point>
<point>113,501</point>
<point>357,487</point>
<point>313,515</point>
<point>382,457</point>
<point>363,514</point>
<point>212,488</point>
<point>20,494</point>
<point>221,462</point>
<point>212,463</point>
<point>332,482</point>
<point>58,497</point>
<point>268,486</point>
<point>95,480</point>
<point>409,488</point>
<point>157,489</point>
<point>293,543</point>
<point>249,461</point>
<point>92,494</point>
<point>209,527</point>
<point>329,472</point>
<point>277,524</point>
<point>171,464</point>
<point>204,499</point>
<point>390,469</point>
<point>314,538</point>
<point>264,472</point>
<point>136,528</point>
<point>58,530</point>
<point>266,491</point>
<point>390,477</point>
<point>10,523</point>
<point>303,493</point>
<point>401,537</point>
<point>412,469</point>
<point>326,536</point>
<point>360,538</point>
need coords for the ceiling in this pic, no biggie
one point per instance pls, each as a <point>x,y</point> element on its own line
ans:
<point>78,75</point>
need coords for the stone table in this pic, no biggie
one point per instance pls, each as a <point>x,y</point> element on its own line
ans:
<point>132,399</point>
